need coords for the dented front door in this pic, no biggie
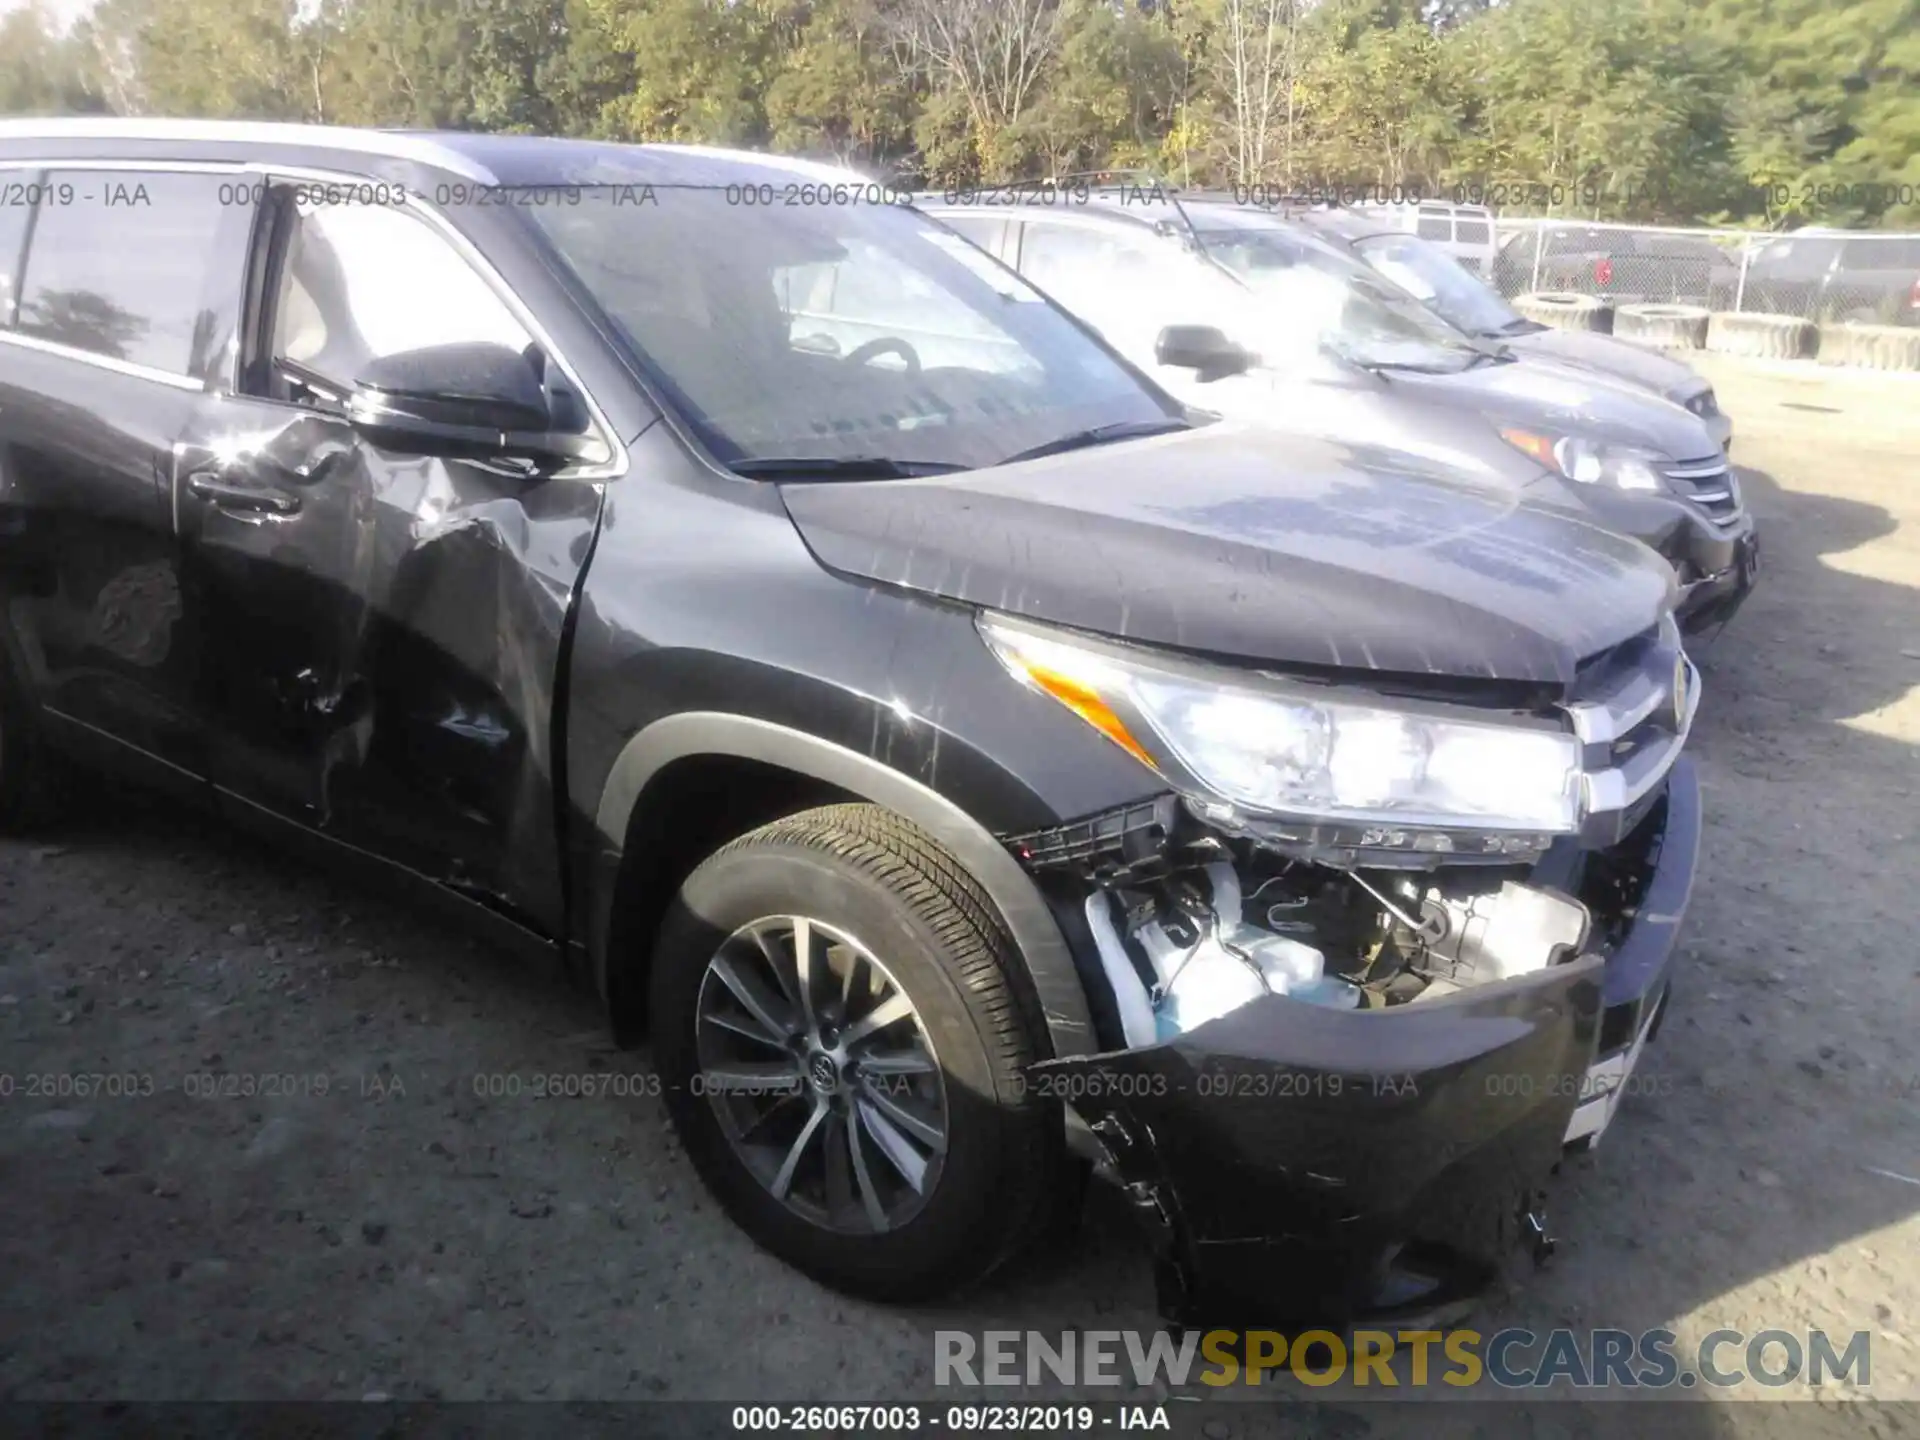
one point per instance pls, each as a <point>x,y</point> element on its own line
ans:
<point>381,630</point>
<point>381,638</point>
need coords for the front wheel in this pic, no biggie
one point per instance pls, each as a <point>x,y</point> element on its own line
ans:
<point>842,1036</point>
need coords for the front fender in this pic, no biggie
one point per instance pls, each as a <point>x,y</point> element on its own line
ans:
<point>709,733</point>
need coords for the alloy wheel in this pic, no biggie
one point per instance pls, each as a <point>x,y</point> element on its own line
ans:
<point>821,1074</point>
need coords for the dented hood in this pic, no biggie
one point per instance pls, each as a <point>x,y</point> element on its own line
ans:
<point>1259,546</point>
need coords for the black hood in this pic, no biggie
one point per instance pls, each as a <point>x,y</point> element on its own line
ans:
<point>1256,546</point>
<point>1559,399</point>
<point>1589,350</point>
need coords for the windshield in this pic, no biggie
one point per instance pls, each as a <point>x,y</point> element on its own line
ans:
<point>1441,283</point>
<point>839,333</point>
<point>1331,300</point>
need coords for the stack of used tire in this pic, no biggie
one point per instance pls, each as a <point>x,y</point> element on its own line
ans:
<point>1878,347</point>
<point>1770,337</point>
<point>1671,327</point>
<point>1692,327</point>
<point>1566,310</point>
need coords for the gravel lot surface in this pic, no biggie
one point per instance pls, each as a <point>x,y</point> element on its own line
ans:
<point>378,1227</point>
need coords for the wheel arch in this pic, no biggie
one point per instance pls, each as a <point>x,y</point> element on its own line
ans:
<point>801,770</point>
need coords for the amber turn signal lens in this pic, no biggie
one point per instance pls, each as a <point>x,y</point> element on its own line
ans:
<point>1087,704</point>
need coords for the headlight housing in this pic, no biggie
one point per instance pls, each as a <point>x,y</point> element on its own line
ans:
<point>1624,467</point>
<point>1396,774</point>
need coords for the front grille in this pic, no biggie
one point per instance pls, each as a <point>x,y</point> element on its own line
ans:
<point>1709,484</point>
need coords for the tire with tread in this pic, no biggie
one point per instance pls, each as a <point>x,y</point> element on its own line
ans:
<point>1877,347</point>
<point>1565,310</point>
<point>877,877</point>
<point>1768,337</point>
<point>1672,327</point>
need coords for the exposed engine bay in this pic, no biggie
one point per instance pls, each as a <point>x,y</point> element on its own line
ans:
<point>1191,929</point>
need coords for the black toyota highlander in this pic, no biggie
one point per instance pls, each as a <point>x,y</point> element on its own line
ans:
<point>966,768</point>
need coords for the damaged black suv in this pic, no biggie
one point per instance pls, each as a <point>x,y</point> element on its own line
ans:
<point>706,572</point>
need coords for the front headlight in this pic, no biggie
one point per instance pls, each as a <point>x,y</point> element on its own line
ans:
<point>1291,749</point>
<point>1624,467</point>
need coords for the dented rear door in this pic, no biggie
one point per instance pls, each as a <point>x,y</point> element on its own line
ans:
<point>382,631</point>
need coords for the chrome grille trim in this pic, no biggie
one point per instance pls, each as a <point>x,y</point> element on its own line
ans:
<point>1695,480</point>
<point>1632,734</point>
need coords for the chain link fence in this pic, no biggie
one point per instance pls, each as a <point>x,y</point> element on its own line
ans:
<point>1844,296</point>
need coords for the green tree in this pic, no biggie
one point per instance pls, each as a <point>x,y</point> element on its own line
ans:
<point>253,58</point>
<point>699,68</point>
<point>1112,94</point>
<point>1614,107</point>
<point>838,92</point>
<point>1379,99</point>
<point>43,72</point>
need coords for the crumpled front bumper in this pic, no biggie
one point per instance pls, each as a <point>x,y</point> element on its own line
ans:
<point>1709,599</point>
<point>1296,1164</point>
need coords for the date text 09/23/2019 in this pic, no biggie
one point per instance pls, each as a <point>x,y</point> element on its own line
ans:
<point>1009,1419</point>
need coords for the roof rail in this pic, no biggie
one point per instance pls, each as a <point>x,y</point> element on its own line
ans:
<point>422,147</point>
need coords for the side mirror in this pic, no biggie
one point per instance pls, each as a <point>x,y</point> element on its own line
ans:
<point>1201,348</point>
<point>475,399</point>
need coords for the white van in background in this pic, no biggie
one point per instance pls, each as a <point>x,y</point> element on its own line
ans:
<point>1463,231</point>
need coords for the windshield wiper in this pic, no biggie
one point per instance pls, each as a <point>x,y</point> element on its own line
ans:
<point>840,467</point>
<point>1475,359</point>
<point>1098,435</point>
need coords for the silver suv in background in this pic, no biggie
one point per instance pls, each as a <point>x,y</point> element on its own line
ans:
<point>1237,310</point>
<point>1428,273</point>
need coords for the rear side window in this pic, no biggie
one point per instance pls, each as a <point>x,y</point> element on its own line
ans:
<point>1472,230</point>
<point>1435,227</point>
<point>982,230</point>
<point>1080,267</point>
<point>121,268</point>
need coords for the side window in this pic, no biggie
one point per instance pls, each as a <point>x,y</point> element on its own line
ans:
<point>122,268</point>
<point>364,281</point>
<point>1129,288</point>
<point>1472,231</point>
<point>983,230</point>
<point>1434,225</point>
<point>1094,273</point>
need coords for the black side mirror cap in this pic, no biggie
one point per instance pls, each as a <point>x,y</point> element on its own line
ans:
<point>474,399</point>
<point>1204,349</point>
